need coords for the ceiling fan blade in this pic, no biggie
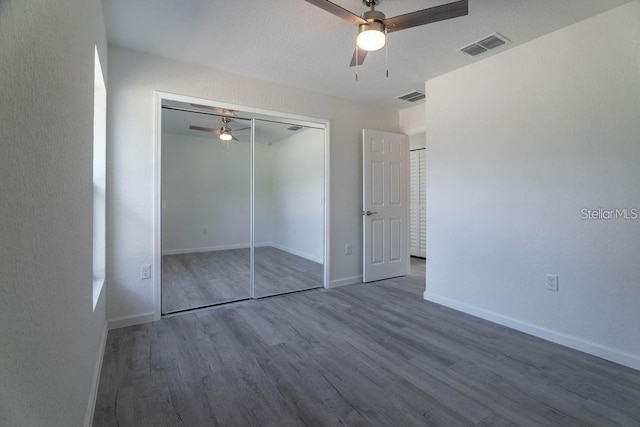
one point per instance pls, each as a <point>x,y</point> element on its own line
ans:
<point>427,16</point>
<point>338,11</point>
<point>203,129</point>
<point>361,55</point>
<point>234,138</point>
<point>236,130</point>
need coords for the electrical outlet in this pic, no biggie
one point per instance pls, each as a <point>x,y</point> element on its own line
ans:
<point>145,271</point>
<point>552,282</point>
<point>347,249</point>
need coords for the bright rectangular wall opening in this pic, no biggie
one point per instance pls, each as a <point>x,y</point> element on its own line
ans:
<point>99,178</point>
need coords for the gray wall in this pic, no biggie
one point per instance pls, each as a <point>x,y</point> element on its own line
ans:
<point>50,337</point>
<point>517,145</point>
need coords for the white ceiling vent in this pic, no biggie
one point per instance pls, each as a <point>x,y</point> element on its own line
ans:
<point>481,46</point>
<point>294,128</point>
<point>412,96</point>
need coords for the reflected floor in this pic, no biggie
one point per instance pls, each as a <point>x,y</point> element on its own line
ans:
<point>207,278</point>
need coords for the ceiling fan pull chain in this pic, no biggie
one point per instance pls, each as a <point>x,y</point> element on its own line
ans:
<point>356,60</point>
<point>386,49</point>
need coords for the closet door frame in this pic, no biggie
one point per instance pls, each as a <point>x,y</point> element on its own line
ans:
<point>159,98</point>
<point>420,153</point>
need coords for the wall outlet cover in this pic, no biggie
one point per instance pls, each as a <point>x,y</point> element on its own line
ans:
<point>145,271</point>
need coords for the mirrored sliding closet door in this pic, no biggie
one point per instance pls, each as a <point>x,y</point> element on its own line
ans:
<point>206,199</point>
<point>221,239</point>
<point>289,208</point>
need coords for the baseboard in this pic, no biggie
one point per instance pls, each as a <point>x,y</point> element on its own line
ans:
<point>310,257</point>
<point>616,356</point>
<point>206,249</point>
<point>345,281</point>
<point>136,319</point>
<point>95,381</point>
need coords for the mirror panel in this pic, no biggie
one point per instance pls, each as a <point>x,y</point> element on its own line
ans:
<point>289,208</point>
<point>206,216</point>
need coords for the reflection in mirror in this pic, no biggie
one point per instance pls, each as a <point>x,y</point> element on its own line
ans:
<point>289,208</point>
<point>206,193</point>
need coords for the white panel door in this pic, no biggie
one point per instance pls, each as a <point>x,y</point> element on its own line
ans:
<point>385,214</point>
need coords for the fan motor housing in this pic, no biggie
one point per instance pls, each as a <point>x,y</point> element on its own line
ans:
<point>373,16</point>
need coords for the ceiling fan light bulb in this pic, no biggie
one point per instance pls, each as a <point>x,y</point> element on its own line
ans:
<point>225,136</point>
<point>371,36</point>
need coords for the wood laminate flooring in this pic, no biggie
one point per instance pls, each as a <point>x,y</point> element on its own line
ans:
<point>360,355</point>
<point>207,278</point>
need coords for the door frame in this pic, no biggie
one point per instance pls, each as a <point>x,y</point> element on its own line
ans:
<point>159,97</point>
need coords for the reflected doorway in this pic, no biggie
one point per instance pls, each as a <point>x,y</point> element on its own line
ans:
<point>417,211</point>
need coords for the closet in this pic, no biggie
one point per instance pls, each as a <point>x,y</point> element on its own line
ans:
<point>242,211</point>
<point>417,204</point>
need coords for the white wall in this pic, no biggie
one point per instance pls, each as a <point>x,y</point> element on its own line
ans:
<point>133,78</point>
<point>518,144</point>
<point>411,119</point>
<point>50,337</point>
<point>418,140</point>
<point>297,192</point>
<point>263,200</point>
<point>207,193</point>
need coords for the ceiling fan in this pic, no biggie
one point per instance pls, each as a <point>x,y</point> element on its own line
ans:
<point>373,25</point>
<point>225,132</point>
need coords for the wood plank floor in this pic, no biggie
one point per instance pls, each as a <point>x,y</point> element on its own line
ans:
<point>206,278</point>
<point>368,354</point>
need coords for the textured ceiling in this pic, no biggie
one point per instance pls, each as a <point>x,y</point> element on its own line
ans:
<point>298,44</point>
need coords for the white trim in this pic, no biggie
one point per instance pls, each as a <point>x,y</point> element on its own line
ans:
<point>327,204</point>
<point>297,253</point>
<point>209,249</point>
<point>252,213</point>
<point>95,381</point>
<point>136,319</point>
<point>415,130</point>
<point>346,281</point>
<point>616,356</point>
<point>157,157</point>
<point>157,218</point>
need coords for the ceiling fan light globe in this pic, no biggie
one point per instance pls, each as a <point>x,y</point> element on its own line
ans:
<point>371,36</point>
<point>225,136</point>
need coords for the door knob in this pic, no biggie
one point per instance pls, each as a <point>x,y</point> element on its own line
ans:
<point>369,213</point>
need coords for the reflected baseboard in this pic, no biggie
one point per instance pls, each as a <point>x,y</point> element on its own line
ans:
<point>304,255</point>
<point>345,281</point>
<point>211,248</point>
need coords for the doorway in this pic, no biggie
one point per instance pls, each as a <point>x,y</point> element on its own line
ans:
<point>417,205</point>
<point>241,204</point>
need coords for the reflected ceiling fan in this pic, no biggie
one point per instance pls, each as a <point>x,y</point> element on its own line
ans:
<point>373,26</point>
<point>225,132</point>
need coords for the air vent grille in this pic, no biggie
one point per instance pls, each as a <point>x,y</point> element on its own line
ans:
<point>294,128</point>
<point>413,96</point>
<point>490,42</point>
